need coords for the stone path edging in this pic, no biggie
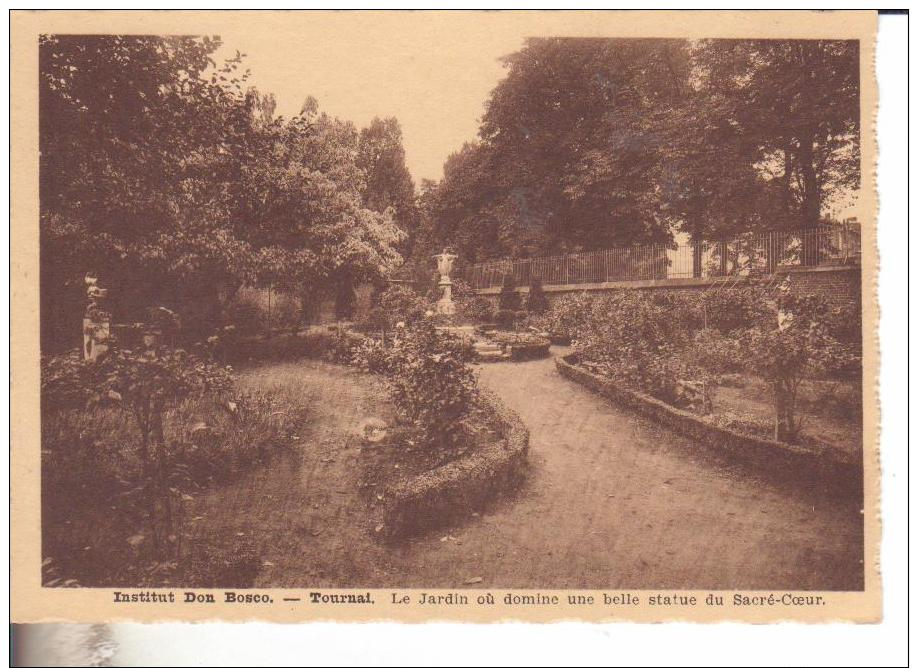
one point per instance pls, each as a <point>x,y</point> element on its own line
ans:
<point>451,492</point>
<point>783,458</point>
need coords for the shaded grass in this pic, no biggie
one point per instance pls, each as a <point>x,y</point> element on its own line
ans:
<point>94,525</point>
<point>831,411</point>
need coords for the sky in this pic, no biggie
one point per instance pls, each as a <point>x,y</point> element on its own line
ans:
<point>433,71</point>
<point>434,81</point>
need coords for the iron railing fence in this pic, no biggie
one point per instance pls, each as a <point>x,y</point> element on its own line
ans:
<point>748,255</point>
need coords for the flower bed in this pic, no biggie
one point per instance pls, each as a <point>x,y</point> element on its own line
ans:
<point>521,345</point>
<point>794,462</point>
<point>449,493</point>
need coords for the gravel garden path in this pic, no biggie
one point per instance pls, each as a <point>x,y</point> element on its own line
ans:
<point>611,501</point>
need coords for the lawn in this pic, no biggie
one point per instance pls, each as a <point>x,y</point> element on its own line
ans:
<point>832,411</point>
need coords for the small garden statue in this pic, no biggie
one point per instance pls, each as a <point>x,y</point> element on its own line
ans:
<point>96,321</point>
<point>445,305</point>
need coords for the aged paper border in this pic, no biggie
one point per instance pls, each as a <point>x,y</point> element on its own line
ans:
<point>30,602</point>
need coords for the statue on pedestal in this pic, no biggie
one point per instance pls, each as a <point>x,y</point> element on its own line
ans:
<point>97,321</point>
<point>445,305</point>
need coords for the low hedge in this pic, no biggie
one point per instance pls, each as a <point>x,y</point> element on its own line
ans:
<point>791,462</point>
<point>529,351</point>
<point>521,346</point>
<point>330,345</point>
<point>449,493</point>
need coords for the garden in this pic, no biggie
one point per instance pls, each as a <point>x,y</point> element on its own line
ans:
<point>136,440</point>
<point>758,360</point>
<point>274,392</point>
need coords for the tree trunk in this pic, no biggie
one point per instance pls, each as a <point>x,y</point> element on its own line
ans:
<point>780,402</point>
<point>697,249</point>
<point>811,204</point>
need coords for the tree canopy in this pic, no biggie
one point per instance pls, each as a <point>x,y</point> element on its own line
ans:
<point>381,155</point>
<point>594,143</point>
<point>166,174</point>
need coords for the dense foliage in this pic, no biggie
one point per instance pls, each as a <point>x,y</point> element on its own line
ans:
<point>146,384</point>
<point>564,316</point>
<point>429,379</point>
<point>162,173</point>
<point>656,341</point>
<point>599,143</point>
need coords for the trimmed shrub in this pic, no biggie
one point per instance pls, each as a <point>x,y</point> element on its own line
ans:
<point>431,385</point>
<point>537,302</point>
<point>505,319</point>
<point>509,298</point>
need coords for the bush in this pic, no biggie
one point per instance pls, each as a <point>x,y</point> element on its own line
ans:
<point>792,344</point>
<point>637,338</point>
<point>475,309</point>
<point>470,305</point>
<point>505,319</point>
<point>729,309</point>
<point>371,355</point>
<point>94,489</point>
<point>843,324</point>
<point>565,315</point>
<point>509,299</point>
<point>462,291</point>
<point>537,302</point>
<point>145,384</point>
<point>431,385</point>
<point>788,339</point>
<point>400,303</point>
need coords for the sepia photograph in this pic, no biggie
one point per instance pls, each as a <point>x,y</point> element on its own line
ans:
<point>422,319</point>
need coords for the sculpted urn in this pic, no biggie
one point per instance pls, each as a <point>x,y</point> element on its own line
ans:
<point>445,304</point>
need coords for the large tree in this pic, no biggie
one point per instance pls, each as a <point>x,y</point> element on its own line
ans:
<point>162,172</point>
<point>381,155</point>
<point>567,158</point>
<point>798,104</point>
<point>593,143</point>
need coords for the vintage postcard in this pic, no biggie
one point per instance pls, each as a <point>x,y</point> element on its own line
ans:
<point>432,315</point>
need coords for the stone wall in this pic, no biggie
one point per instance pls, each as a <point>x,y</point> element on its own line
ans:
<point>840,285</point>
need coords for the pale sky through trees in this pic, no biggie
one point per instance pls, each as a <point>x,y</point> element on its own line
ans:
<point>435,80</point>
<point>435,83</point>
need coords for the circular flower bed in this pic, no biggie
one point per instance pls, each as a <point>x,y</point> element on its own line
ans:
<point>451,491</point>
<point>518,346</point>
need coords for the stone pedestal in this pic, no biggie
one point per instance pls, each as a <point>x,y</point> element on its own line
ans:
<point>96,335</point>
<point>97,322</point>
<point>445,305</point>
